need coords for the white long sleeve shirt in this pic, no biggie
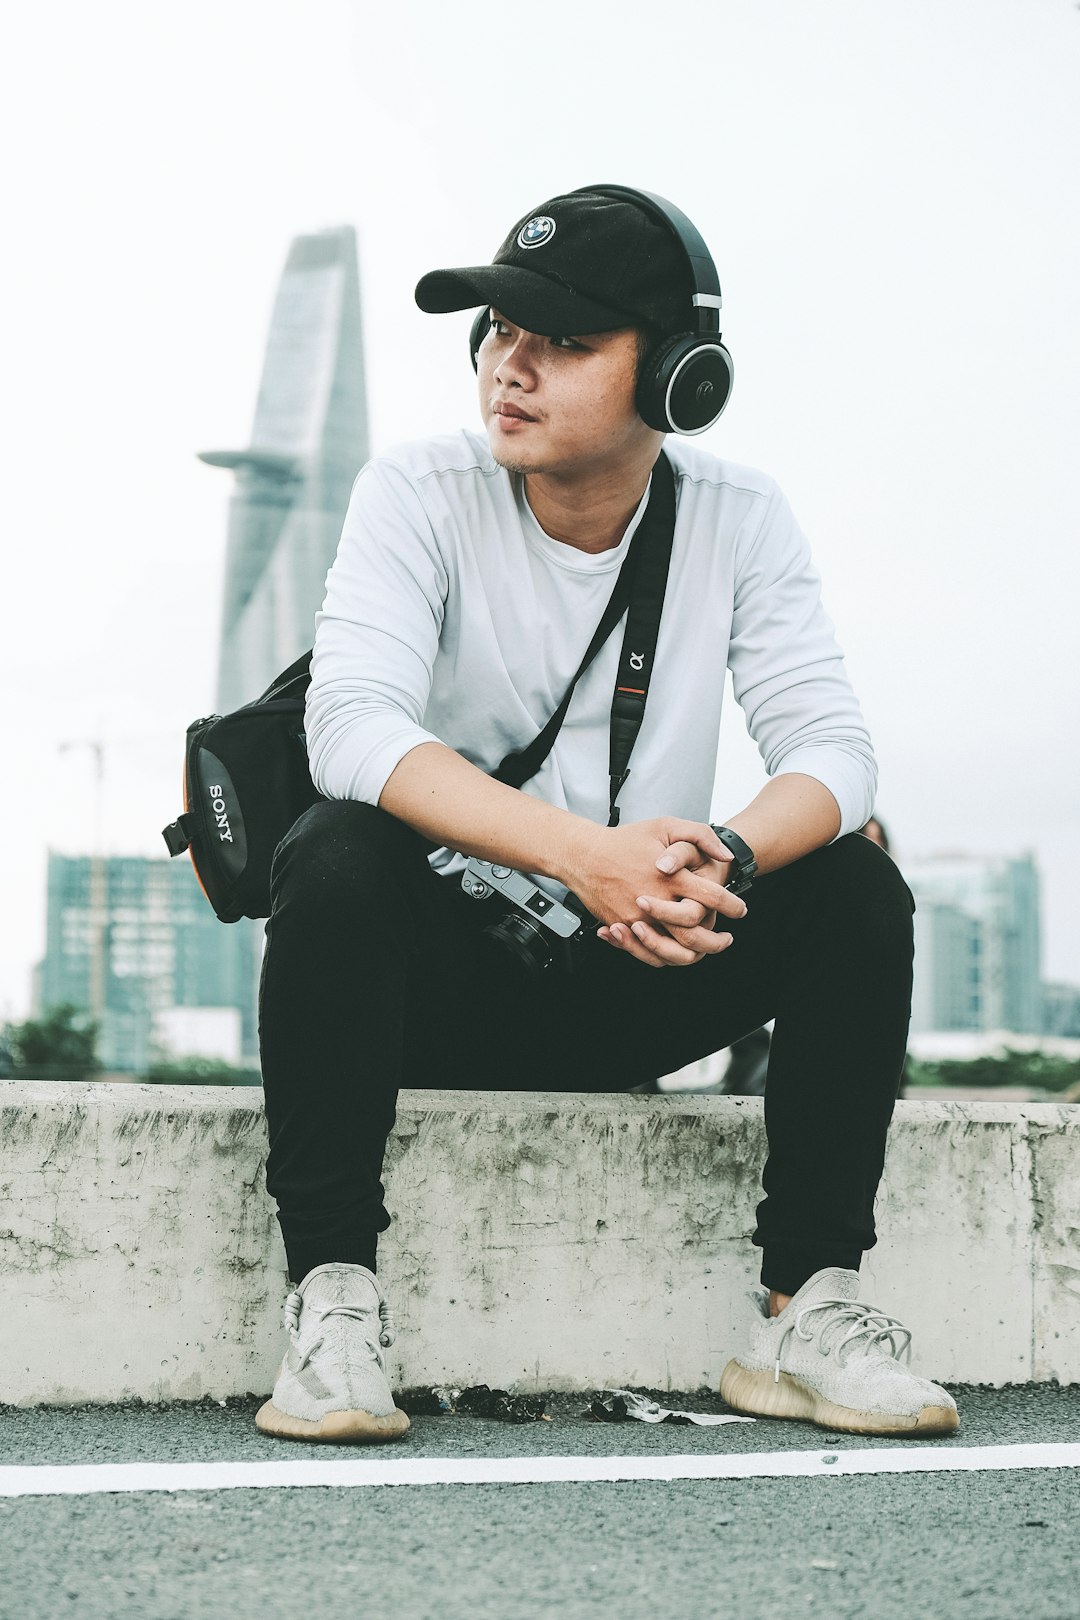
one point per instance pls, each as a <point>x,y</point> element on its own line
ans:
<point>450,616</point>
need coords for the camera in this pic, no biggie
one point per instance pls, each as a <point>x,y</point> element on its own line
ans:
<point>538,931</point>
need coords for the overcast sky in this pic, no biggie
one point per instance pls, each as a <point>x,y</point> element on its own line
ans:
<point>890,193</point>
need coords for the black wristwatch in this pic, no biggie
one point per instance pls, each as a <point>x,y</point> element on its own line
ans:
<point>744,866</point>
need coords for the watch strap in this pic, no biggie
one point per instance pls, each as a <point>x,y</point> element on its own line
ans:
<point>744,866</point>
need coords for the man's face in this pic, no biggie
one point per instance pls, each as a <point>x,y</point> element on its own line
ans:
<point>560,405</point>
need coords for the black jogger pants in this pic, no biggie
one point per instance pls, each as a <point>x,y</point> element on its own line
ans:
<point>374,963</point>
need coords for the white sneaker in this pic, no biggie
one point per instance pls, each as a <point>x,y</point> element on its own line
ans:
<point>332,1383</point>
<point>830,1360</point>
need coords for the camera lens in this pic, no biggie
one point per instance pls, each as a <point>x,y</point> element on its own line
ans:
<point>522,938</point>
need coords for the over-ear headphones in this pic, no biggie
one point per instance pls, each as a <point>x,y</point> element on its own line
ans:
<point>685,380</point>
<point>479,330</point>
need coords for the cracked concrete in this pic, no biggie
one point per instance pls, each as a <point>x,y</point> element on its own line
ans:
<point>553,1244</point>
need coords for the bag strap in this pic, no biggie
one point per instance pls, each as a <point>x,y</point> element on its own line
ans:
<point>292,682</point>
<point>639,592</point>
<point>648,587</point>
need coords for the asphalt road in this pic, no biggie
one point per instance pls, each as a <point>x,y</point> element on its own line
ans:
<point>995,1545</point>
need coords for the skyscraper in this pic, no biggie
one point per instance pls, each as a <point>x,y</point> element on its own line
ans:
<point>132,941</point>
<point>977,944</point>
<point>308,443</point>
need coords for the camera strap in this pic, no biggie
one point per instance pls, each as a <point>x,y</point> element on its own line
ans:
<point>639,593</point>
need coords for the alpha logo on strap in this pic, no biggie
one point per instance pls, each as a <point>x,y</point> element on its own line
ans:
<point>637,660</point>
<point>536,231</point>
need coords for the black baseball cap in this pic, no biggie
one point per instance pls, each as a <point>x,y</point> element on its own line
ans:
<point>584,262</point>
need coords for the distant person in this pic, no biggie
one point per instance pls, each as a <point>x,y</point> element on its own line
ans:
<point>875,831</point>
<point>472,572</point>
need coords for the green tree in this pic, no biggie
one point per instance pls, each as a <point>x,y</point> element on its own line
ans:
<point>200,1071</point>
<point>60,1045</point>
<point>1040,1071</point>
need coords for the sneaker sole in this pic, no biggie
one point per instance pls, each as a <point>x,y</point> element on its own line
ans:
<point>338,1428</point>
<point>759,1394</point>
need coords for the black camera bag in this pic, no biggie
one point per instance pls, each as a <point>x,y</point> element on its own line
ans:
<point>246,780</point>
<point>246,774</point>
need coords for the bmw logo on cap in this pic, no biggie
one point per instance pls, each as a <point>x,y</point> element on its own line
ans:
<point>536,231</point>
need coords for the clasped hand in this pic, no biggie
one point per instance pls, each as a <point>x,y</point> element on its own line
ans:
<point>658,888</point>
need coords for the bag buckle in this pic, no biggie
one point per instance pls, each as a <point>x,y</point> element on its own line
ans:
<point>178,834</point>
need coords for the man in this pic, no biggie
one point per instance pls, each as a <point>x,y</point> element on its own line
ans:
<point>472,572</point>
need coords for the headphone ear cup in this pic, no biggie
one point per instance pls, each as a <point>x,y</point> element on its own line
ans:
<point>684,384</point>
<point>481,326</point>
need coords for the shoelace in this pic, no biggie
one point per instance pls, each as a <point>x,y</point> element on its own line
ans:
<point>865,1320</point>
<point>291,1320</point>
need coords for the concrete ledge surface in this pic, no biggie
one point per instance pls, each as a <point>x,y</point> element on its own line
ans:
<point>545,1241</point>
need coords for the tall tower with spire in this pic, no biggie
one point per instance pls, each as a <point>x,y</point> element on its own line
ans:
<point>130,940</point>
<point>308,442</point>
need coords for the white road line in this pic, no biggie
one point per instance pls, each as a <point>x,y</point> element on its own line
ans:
<point>915,1458</point>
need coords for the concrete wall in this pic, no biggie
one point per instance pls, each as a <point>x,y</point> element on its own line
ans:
<point>551,1242</point>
